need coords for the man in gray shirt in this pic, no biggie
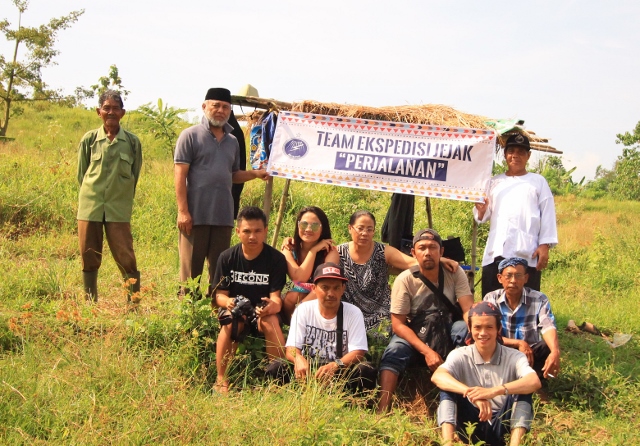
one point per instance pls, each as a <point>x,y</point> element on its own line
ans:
<point>485,383</point>
<point>206,163</point>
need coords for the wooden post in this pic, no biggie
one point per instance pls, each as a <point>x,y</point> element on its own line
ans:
<point>283,205</point>
<point>268,192</point>
<point>474,243</point>
<point>429,216</point>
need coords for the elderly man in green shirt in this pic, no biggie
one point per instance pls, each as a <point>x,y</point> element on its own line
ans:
<point>109,162</point>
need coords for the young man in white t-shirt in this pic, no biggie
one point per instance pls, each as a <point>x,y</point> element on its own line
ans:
<point>313,345</point>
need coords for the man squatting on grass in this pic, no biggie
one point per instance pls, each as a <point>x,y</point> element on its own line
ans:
<point>528,323</point>
<point>258,272</point>
<point>109,162</point>
<point>313,344</point>
<point>206,163</point>
<point>411,297</point>
<point>485,383</point>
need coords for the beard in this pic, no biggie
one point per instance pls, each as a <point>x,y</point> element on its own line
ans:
<point>428,264</point>
<point>215,122</point>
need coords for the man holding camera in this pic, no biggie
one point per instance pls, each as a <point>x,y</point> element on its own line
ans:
<point>255,271</point>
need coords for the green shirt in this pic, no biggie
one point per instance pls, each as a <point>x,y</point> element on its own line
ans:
<point>108,172</point>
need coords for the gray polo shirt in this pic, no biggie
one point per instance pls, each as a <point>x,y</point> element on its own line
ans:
<point>211,166</point>
<point>507,364</point>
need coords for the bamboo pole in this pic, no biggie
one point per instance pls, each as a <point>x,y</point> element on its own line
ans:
<point>474,244</point>
<point>283,205</point>
<point>429,215</point>
<point>268,192</point>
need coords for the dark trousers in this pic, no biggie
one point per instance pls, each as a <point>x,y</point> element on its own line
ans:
<point>359,377</point>
<point>491,433</point>
<point>490,277</point>
<point>119,238</point>
<point>205,242</point>
<point>540,353</point>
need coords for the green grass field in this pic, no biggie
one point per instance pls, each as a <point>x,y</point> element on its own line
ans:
<point>77,373</point>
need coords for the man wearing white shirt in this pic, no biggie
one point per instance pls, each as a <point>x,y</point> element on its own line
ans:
<point>314,345</point>
<point>522,216</point>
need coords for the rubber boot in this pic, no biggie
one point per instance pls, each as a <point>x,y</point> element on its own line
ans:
<point>133,288</point>
<point>90,280</point>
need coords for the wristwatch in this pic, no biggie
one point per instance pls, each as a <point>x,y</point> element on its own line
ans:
<point>340,363</point>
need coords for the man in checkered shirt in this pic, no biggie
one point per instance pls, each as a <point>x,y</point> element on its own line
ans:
<point>527,321</point>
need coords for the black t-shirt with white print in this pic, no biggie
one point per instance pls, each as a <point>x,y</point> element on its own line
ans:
<point>253,279</point>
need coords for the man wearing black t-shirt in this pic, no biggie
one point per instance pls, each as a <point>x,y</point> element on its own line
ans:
<point>256,271</point>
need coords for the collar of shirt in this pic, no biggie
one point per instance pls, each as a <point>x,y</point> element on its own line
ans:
<point>103,135</point>
<point>502,300</point>
<point>495,359</point>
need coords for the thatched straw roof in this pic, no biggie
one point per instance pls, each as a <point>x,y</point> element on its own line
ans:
<point>430,114</point>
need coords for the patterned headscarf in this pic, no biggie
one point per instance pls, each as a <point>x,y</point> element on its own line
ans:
<point>513,261</point>
<point>484,309</point>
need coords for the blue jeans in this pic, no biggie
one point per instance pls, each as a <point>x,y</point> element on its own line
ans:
<point>457,410</point>
<point>399,354</point>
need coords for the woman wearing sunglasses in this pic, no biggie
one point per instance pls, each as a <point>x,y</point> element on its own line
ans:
<point>310,246</point>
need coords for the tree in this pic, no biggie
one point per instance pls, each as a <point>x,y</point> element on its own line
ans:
<point>19,78</point>
<point>558,177</point>
<point>112,81</point>
<point>623,181</point>
<point>627,139</point>
<point>162,122</point>
<point>626,183</point>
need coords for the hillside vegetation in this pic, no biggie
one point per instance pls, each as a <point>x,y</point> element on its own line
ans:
<point>79,373</point>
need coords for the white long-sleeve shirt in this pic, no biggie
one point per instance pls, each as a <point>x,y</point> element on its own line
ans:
<point>522,216</point>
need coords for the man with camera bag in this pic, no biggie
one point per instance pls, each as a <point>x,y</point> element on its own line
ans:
<point>429,308</point>
<point>250,276</point>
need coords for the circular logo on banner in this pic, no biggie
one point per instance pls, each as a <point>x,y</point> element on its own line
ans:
<point>296,148</point>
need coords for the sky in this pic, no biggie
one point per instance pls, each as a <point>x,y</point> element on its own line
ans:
<point>570,69</point>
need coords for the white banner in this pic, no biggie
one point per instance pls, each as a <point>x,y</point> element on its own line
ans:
<point>417,159</point>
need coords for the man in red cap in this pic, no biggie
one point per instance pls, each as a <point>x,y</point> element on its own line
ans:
<point>327,338</point>
<point>206,164</point>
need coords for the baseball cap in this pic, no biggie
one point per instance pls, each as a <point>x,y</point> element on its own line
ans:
<point>518,140</point>
<point>328,270</point>
<point>427,234</point>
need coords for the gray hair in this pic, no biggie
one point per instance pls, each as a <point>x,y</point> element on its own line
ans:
<point>110,94</point>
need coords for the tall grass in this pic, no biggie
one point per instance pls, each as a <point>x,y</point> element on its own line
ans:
<point>78,373</point>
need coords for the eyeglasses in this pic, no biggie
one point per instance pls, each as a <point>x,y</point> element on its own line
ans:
<point>305,224</point>
<point>364,229</point>
<point>510,276</point>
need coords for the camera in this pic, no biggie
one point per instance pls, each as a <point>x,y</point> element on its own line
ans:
<point>243,307</point>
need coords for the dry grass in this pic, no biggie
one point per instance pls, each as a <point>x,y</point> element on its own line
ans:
<point>429,114</point>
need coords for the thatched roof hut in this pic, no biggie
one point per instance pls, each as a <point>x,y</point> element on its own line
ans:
<point>430,114</point>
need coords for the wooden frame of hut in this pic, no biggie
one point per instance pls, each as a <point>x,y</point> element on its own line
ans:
<point>429,114</point>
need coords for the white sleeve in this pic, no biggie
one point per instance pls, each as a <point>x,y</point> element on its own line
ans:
<point>548,230</point>
<point>354,325</point>
<point>298,327</point>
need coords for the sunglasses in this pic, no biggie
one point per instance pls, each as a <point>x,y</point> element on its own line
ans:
<point>305,224</point>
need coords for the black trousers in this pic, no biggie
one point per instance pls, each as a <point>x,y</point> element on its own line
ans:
<point>359,377</point>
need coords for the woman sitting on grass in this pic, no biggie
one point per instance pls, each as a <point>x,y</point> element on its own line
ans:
<point>310,246</point>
